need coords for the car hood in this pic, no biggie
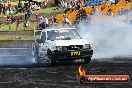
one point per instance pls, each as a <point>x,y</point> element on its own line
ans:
<point>70,42</point>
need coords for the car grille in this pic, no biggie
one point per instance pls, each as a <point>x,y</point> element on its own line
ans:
<point>72,47</point>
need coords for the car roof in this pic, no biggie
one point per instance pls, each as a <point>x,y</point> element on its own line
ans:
<point>57,29</point>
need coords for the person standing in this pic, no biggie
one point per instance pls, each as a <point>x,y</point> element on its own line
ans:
<point>9,5</point>
<point>18,24</point>
<point>56,2</point>
<point>41,23</point>
<point>29,12</point>
<point>4,9</point>
<point>0,26</point>
<point>37,16</point>
<point>1,9</point>
<point>46,22</point>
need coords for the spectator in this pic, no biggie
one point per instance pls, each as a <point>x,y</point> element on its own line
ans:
<point>35,7</point>
<point>1,1</point>
<point>81,14</point>
<point>85,3</point>
<point>46,22</point>
<point>1,8</point>
<point>0,26</point>
<point>56,2</point>
<point>66,20</point>
<point>26,5</point>
<point>44,3</point>
<point>78,6</point>
<point>41,23</point>
<point>9,5</point>
<point>29,12</point>
<point>53,20</point>
<point>26,17</point>
<point>18,24</point>
<point>19,8</point>
<point>68,8</point>
<point>8,18</point>
<point>72,2</point>
<point>63,4</point>
<point>4,9</point>
<point>37,16</point>
<point>27,24</point>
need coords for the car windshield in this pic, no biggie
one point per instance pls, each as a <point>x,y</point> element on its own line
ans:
<point>65,34</point>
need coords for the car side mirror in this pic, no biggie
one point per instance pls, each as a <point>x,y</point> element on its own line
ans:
<point>39,41</point>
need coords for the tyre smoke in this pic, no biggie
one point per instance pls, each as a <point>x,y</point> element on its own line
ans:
<point>15,56</point>
<point>111,36</point>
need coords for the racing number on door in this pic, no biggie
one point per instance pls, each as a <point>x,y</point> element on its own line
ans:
<point>75,53</point>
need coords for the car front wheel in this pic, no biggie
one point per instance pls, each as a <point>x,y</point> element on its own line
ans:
<point>51,58</point>
<point>87,60</point>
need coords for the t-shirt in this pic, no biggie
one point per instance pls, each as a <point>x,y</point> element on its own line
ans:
<point>9,5</point>
<point>18,20</point>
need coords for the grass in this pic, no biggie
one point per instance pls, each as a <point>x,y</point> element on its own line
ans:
<point>41,11</point>
<point>45,10</point>
<point>5,27</point>
<point>9,37</point>
<point>15,3</point>
<point>48,10</point>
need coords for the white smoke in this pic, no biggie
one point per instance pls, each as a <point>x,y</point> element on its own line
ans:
<point>15,56</point>
<point>111,36</point>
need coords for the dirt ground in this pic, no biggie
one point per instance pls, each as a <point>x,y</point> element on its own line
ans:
<point>24,74</point>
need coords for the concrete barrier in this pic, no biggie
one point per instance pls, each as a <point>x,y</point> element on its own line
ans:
<point>16,43</point>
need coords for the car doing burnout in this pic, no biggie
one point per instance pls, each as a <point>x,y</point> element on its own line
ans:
<point>64,44</point>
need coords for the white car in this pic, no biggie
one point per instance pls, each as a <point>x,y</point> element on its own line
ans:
<point>63,44</point>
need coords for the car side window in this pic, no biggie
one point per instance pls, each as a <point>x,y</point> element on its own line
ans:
<point>43,37</point>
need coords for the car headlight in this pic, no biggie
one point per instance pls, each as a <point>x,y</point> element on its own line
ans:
<point>87,46</point>
<point>59,48</point>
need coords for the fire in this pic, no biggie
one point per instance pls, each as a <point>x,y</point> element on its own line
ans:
<point>81,71</point>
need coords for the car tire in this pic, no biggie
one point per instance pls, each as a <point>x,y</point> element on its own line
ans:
<point>51,58</point>
<point>87,60</point>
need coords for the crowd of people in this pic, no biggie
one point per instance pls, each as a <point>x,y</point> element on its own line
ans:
<point>74,11</point>
<point>79,10</point>
<point>8,10</point>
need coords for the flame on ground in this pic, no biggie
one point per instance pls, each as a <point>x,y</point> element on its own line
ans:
<point>81,71</point>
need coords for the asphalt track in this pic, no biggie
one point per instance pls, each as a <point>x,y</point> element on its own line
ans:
<point>18,71</point>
